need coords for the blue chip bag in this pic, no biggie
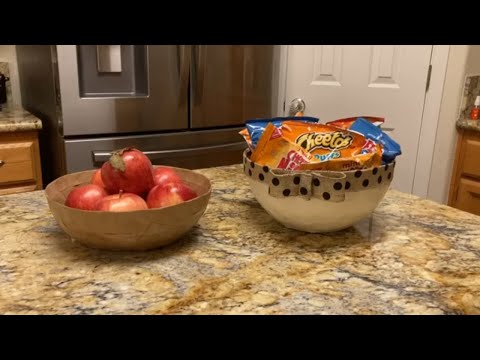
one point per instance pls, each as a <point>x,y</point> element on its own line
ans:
<point>390,148</point>
<point>256,127</point>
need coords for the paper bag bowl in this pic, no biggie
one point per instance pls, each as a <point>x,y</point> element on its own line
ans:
<point>133,230</point>
<point>318,201</point>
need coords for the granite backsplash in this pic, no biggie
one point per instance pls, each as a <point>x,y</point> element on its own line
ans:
<point>4,69</point>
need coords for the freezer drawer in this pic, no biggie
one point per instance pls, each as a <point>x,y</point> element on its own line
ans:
<point>192,150</point>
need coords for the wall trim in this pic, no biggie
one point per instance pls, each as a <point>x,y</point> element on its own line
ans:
<point>431,113</point>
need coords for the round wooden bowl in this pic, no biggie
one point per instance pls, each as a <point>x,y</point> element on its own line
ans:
<point>133,230</point>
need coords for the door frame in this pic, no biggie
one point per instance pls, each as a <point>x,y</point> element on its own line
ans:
<point>430,116</point>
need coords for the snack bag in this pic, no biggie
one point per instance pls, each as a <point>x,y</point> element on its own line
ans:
<point>354,162</point>
<point>276,152</point>
<point>256,128</point>
<point>247,138</point>
<point>301,146</point>
<point>332,148</point>
<point>347,122</point>
<point>391,149</point>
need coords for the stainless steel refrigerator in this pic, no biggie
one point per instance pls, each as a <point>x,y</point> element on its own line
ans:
<point>183,105</point>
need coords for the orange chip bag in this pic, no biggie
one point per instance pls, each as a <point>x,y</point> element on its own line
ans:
<point>276,152</point>
<point>332,148</point>
<point>247,137</point>
<point>325,142</point>
<point>315,147</point>
<point>358,161</point>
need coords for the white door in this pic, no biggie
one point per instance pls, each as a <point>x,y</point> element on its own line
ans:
<point>338,81</point>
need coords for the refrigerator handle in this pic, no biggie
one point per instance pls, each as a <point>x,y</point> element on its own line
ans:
<point>198,73</point>
<point>102,156</point>
<point>184,59</point>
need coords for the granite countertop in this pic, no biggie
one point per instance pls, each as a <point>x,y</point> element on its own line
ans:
<point>16,119</point>
<point>412,256</point>
<point>467,124</point>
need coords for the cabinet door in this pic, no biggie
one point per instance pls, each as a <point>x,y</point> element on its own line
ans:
<point>20,168</point>
<point>471,165</point>
<point>16,163</point>
<point>468,197</point>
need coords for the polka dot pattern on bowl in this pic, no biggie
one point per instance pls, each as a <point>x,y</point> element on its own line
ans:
<point>325,185</point>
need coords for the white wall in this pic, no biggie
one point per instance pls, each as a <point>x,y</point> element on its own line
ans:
<point>8,54</point>
<point>462,59</point>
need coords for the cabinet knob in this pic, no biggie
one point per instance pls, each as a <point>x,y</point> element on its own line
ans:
<point>2,163</point>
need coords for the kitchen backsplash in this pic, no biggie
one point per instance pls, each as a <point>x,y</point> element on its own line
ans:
<point>470,92</point>
<point>4,69</point>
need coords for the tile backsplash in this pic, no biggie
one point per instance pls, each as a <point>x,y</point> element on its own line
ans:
<point>4,69</point>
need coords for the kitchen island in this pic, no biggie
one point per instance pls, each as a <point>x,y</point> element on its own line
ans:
<point>412,256</point>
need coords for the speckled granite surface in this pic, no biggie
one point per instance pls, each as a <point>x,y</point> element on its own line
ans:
<point>411,257</point>
<point>14,119</point>
<point>467,124</point>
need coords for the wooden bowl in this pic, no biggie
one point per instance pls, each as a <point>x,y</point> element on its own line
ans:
<point>133,230</point>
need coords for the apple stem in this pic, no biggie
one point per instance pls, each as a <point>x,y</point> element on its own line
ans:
<point>120,193</point>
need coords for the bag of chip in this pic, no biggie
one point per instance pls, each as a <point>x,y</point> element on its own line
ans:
<point>391,149</point>
<point>256,127</point>
<point>347,122</point>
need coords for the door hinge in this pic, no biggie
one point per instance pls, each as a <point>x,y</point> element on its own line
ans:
<point>429,75</point>
<point>284,107</point>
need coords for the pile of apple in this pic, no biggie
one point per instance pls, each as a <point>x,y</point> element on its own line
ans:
<point>128,182</point>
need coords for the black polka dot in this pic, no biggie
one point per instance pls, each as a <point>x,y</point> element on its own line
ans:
<point>337,186</point>
<point>375,170</point>
<point>389,175</point>
<point>316,182</point>
<point>347,185</point>
<point>265,169</point>
<point>365,183</point>
<point>286,192</point>
<point>303,191</point>
<point>379,179</point>
<point>249,172</point>
<point>296,180</point>
<point>252,165</point>
<point>261,177</point>
<point>358,174</point>
<point>249,153</point>
<point>386,167</point>
<point>326,196</point>
<point>275,181</point>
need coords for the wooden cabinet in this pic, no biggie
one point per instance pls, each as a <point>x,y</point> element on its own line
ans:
<point>20,168</point>
<point>465,185</point>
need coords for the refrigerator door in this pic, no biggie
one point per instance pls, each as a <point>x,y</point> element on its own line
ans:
<point>190,150</point>
<point>231,83</point>
<point>108,89</point>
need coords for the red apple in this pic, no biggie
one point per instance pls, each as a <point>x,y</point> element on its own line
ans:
<point>164,175</point>
<point>169,194</point>
<point>97,178</point>
<point>85,197</point>
<point>128,170</point>
<point>122,202</point>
